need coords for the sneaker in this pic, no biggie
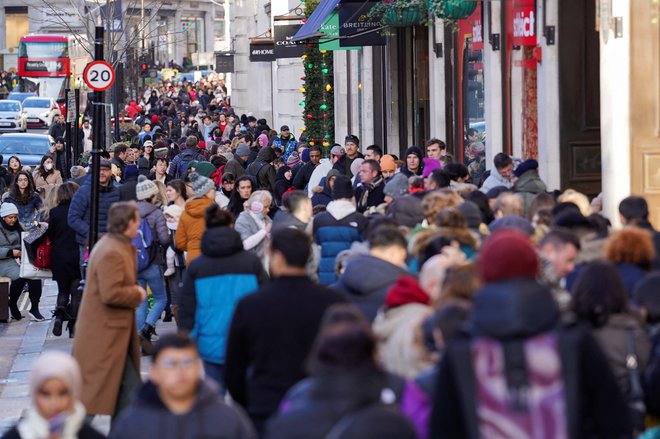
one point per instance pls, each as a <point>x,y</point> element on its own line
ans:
<point>36,315</point>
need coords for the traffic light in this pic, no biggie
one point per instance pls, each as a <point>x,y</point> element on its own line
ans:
<point>144,70</point>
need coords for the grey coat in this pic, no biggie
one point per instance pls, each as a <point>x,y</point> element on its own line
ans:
<point>247,226</point>
<point>9,240</point>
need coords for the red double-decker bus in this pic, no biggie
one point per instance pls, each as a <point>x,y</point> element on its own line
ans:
<point>44,65</point>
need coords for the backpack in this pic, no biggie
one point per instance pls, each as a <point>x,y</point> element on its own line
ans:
<point>144,243</point>
<point>514,408</point>
<point>254,169</point>
<point>186,158</point>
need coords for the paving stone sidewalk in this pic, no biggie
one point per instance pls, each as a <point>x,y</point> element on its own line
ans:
<point>22,342</point>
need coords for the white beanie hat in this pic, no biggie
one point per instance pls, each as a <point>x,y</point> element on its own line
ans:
<point>59,365</point>
<point>7,209</point>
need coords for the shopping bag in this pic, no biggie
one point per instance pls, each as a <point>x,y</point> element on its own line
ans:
<point>33,240</point>
<point>28,270</point>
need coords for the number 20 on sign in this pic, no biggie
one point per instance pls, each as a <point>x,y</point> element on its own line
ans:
<point>99,75</point>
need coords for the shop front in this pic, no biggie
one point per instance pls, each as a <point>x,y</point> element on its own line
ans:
<point>524,79</point>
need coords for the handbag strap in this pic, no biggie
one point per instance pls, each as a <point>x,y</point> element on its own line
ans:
<point>633,368</point>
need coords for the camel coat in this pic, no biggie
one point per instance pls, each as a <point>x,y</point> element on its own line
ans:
<point>52,179</point>
<point>106,331</point>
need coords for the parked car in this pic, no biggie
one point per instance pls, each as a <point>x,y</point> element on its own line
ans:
<point>12,116</point>
<point>28,147</point>
<point>20,95</point>
<point>40,111</point>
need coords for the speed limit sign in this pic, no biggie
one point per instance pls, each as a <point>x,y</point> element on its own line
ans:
<point>99,75</point>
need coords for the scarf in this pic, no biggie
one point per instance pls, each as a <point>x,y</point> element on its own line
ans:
<point>34,426</point>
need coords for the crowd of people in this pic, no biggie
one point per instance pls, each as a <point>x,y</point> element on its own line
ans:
<point>358,295</point>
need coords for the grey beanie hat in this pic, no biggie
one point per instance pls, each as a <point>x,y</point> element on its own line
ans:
<point>397,186</point>
<point>242,150</point>
<point>145,189</point>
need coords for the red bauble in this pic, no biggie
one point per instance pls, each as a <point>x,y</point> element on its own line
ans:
<point>309,116</point>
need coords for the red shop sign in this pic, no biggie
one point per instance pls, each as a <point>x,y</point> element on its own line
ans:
<point>524,23</point>
<point>471,27</point>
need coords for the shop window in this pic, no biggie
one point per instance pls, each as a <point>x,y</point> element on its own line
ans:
<point>471,99</point>
<point>193,34</point>
<point>16,25</point>
<point>521,122</point>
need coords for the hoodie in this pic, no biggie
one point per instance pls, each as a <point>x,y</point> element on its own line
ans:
<point>262,169</point>
<point>322,194</point>
<point>528,186</point>
<point>335,230</point>
<point>494,180</point>
<point>148,416</point>
<point>368,293</point>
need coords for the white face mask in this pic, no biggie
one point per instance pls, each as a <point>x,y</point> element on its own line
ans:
<point>48,166</point>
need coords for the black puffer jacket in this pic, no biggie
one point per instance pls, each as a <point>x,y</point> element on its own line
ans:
<point>209,417</point>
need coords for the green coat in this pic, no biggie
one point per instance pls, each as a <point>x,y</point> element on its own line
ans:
<point>528,186</point>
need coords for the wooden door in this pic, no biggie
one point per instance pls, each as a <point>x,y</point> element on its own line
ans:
<point>645,104</point>
<point>579,97</point>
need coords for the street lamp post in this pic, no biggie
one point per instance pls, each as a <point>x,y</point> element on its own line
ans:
<point>98,142</point>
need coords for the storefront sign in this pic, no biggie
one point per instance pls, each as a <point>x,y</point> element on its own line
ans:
<point>356,28</point>
<point>224,62</point>
<point>524,23</point>
<point>331,30</point>
<point>262,52</point>
<point>472,28</point>
<point>477,29</point>
<point>285,47</point>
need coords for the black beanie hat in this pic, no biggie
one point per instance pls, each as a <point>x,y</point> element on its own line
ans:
<point>414,150</point>
<point>342,188</point>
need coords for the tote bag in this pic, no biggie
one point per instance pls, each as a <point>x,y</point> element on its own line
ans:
<point>28,270</point>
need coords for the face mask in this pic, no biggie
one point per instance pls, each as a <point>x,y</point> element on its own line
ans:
<point>48,166</point>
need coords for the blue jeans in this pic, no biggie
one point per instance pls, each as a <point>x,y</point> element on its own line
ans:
<point>216,372</point>
<point>153,275</point>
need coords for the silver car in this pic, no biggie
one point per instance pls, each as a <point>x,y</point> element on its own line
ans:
<point>12,116</point>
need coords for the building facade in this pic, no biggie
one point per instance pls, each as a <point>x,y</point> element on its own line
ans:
<point>267,86</point>
<point>495,74</point>
<point>161,31</point>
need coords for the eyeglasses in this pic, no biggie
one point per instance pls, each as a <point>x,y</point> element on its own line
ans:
<point>169,363</point>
